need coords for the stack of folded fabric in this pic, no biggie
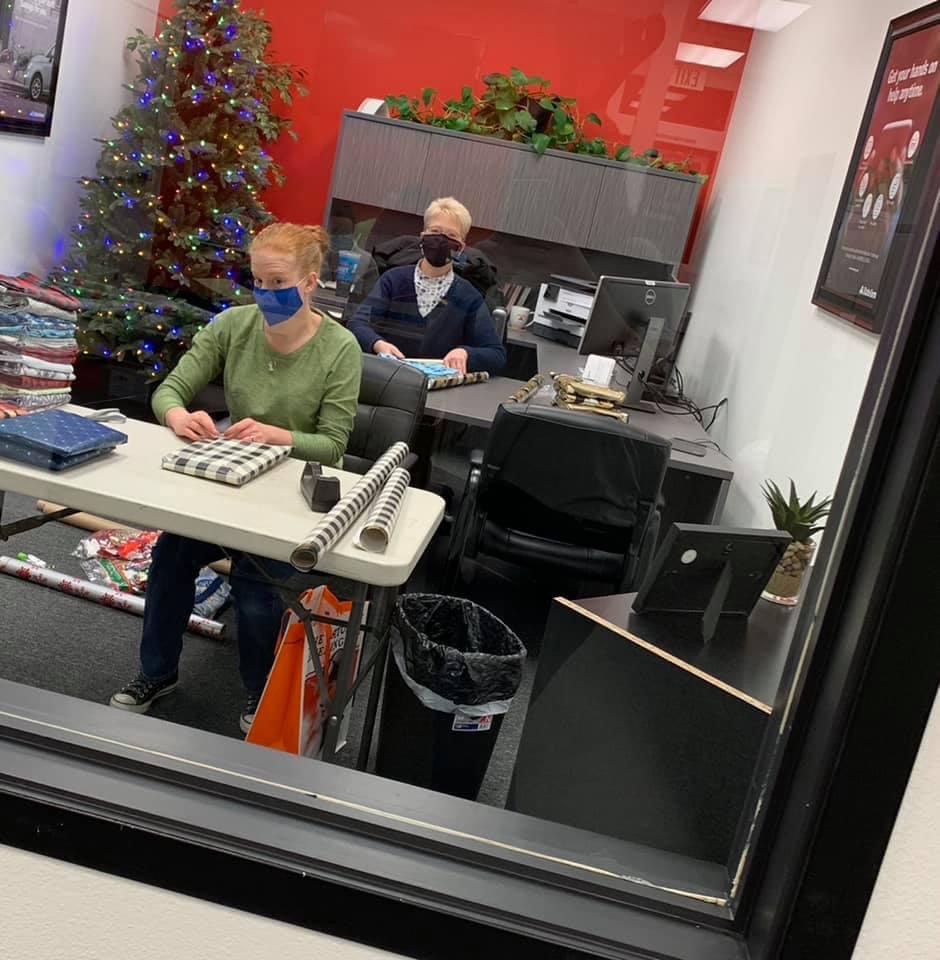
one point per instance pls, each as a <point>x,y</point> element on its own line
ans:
<point>37,346</point>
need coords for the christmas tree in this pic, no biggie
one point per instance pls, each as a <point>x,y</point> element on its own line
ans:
<point>176,197</point>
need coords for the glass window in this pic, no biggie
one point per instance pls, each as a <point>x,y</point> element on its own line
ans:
<point>621,306</point>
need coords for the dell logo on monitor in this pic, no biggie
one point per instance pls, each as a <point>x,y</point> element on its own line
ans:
<point>650,297</point>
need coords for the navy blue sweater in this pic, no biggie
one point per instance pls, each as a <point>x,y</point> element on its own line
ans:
<point>461,319</point>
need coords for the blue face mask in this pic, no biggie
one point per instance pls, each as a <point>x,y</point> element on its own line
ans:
<point>278,305</point>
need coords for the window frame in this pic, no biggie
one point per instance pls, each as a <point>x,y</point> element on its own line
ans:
<point>875,554</point>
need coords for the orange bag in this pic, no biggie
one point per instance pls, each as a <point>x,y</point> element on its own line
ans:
<point>290,716</point>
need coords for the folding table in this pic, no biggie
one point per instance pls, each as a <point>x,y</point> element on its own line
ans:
<point>266,517</point>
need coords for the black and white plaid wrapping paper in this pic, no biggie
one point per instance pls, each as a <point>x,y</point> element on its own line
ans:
<point>378,528</point>
<point>341,518</point>
<point>227,461</point>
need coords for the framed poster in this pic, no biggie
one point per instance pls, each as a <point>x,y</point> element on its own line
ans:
<point>880,193</point>
<point>31,34</point>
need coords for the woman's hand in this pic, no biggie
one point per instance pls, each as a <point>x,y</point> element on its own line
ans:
<point>191,426</point>
<point>457,360</point>
<point>383,346</point>
<point>250,431</point>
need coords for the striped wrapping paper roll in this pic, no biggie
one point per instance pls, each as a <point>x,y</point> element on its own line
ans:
<point>377,530</point>
<point>334,524</point>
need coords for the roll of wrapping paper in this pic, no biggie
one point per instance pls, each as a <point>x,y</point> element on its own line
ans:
<point>620,415</point>
<point>93,591</point>
<point>341,517</point>
<point>377,530</point>
<point>566,383</point>
<point>529,389</point>
<point>457,380</point>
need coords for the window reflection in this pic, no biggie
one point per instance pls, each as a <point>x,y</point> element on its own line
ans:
<point>604,365</point>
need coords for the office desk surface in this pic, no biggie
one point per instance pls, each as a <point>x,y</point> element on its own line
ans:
<point>745,658</point>
<point>476,404</point>
<point>267,516</point>
<point>552,357</point>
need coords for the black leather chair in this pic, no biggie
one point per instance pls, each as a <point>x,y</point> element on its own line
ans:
<point>391,404</point>
<point>564,492</point>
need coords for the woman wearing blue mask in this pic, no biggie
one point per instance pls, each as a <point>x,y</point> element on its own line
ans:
<point>291,378</point>
<point>427,310</point>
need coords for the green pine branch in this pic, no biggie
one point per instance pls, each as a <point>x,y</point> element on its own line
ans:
<point>176,194</point>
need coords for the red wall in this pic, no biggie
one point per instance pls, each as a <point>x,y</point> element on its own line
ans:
<point>615,56</point>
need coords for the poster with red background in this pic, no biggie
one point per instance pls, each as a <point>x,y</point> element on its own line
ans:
<point>881,177</point>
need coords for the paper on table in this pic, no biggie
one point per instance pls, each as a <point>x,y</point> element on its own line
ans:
<point>378,528</point>
<point>341,517</point>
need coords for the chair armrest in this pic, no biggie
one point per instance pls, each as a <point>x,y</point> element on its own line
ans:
<point>647,548</point>
<point>464,527</point>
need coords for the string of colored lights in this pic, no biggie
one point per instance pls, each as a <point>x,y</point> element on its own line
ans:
<point>176,196</point>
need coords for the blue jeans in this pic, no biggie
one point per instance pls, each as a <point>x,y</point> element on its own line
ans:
<point>171,592</point>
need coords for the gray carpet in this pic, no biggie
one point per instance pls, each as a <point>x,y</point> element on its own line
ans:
<point>75,647</point>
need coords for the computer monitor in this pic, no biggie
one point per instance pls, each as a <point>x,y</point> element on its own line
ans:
<point>710,573</point>
<point>639,319</point>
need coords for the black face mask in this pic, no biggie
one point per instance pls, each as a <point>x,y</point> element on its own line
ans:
<point>438,250</point>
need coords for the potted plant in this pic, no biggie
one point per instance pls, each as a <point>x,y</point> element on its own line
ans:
<point>801,520</point>
<point>518,106</point>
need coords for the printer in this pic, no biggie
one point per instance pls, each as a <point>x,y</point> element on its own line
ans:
<point>563,307</point>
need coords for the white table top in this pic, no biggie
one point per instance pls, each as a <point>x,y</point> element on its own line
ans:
<point>267,516</point>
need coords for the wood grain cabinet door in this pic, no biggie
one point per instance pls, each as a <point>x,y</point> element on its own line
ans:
<point>474,172</point>
<point>642,214</point>
<point>381,164</point>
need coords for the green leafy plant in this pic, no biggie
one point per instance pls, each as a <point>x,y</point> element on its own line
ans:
<point>799,519</point>
<point>520,107</point>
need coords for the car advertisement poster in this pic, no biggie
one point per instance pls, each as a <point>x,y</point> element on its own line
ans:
<point>29,44</point>
<point>880,178</point>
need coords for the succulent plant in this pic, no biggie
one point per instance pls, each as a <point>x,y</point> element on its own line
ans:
<point>800,520</point>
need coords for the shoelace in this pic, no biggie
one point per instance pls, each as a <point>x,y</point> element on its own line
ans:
<point>140,688</point>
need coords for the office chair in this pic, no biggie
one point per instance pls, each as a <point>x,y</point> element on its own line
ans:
<point>391,404</point>
<point>500,319</point>
<point>562,492</point>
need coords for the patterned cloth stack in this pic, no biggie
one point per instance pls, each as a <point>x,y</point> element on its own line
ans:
<point>37,346</point>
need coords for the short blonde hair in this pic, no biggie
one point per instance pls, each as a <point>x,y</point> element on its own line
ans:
<point>307,245</point>
<point>453,208</point>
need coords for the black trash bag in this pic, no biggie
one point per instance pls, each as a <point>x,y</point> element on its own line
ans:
<point>458,650</point>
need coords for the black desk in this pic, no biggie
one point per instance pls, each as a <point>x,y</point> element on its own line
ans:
<point>639,731</point>
<point>695,488</point>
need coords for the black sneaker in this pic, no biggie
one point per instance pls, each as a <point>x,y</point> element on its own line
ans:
<point>248,714</point>
<point>140,693</point>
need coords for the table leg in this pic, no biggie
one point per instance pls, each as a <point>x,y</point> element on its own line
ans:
<point>344,681</point>
<point>11,529</point>
<point>383,604</point>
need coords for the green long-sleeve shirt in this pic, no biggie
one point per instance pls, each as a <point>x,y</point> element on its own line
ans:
<point>311,392</point>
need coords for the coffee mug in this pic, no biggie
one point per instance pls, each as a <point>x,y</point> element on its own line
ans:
<point>519,317</point>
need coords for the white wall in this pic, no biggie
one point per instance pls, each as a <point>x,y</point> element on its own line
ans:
<point>903,918</point>
<point>38,190</point>
<point>50,910</point>
<point>793,374</point>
